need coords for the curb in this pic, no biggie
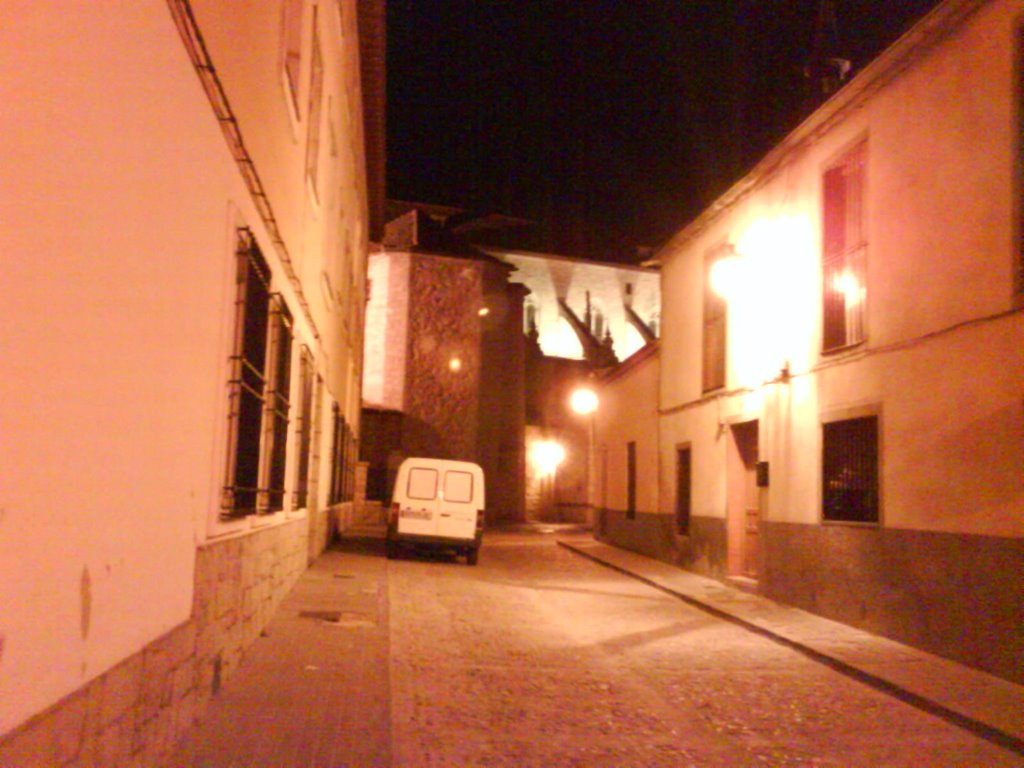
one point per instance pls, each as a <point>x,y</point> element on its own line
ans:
<point>974,724</point>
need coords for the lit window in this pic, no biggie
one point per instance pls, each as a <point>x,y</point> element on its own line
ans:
<point>713,364</point>
<point>843,252</point>
<point>850,470</point>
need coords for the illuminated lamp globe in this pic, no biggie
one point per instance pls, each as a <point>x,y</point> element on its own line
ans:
<point>583,401</point>
<point>725,276</point>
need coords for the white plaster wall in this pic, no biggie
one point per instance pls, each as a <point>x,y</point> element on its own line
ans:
<point>116,269</point>
<point>627,412</point>
<point>940,203</point>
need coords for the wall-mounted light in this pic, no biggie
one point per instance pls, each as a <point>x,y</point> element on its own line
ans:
<point>455,365</point>
<point>484,311</point>
<point>725,275</point>
<point>546,455</point>
<point>583,401</point>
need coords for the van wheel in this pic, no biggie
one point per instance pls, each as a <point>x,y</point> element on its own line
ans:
<point>472,555</point>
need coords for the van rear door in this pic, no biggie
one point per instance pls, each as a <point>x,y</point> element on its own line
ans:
<point>418,515</point>
<point>458,504</point>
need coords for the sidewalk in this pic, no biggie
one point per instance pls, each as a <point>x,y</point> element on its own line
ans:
<point>314,689</point>
<point>988,706</point>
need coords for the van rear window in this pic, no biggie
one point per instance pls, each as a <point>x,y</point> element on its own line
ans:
<point>458,487</point>
<point>422,483</point>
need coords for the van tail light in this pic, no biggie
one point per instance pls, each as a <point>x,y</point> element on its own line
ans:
<point>393,513</point>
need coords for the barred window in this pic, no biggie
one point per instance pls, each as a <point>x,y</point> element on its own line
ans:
<point>843,253</point>
<point>850,470</point>
<point>344,457</point>
<point>258,390</point>
<point>303,431</point>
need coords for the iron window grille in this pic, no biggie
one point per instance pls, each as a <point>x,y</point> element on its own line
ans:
<point>303,431</point>
<point>248,379</point>
<point>850,489</point>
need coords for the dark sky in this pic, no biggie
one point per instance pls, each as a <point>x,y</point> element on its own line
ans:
<point>611,122</point>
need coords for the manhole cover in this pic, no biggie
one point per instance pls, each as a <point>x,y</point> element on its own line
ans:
<point>348,619</point>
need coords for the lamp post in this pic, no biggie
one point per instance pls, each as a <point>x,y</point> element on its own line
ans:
<point>584,402</point>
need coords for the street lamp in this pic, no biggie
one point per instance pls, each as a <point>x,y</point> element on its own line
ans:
<point>583,401</point>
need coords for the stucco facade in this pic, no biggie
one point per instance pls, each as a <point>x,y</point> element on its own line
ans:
<point>153,154</point>
<point>904,369</point>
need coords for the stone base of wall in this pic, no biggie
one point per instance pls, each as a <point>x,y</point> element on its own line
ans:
<point>702,550</point>
<point>954,595</point>
<point>133,714</point>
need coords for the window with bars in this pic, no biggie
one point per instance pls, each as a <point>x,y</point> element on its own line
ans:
<point>850,490</point>
<point>303,431</point>
<point>258,390</point>
<point>844,247</point>
<point>714,349</point>
<point>344,456</point>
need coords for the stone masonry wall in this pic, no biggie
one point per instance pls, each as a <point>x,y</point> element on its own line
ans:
<point>133,714</point>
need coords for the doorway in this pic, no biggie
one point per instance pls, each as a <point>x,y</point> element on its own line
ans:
<point>743,502</point>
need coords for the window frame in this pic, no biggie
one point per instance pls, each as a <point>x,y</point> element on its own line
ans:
<point>844,248</point>
<point>714,369</point>
<point>683,529</point>
<point>258,390</point>
<point>847,416</point>
<point>631,484</point>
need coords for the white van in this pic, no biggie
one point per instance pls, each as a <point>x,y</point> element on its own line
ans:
<point>437,503</point>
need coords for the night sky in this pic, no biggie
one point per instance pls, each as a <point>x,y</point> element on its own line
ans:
<point>612,123</point>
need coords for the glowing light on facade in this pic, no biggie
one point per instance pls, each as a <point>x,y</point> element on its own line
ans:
<point>583,401</point>
<point>455,365</point>
<point>546,456</point>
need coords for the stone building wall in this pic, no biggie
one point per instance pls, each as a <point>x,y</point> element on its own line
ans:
<point>441,402</point>
<point>133,714</point>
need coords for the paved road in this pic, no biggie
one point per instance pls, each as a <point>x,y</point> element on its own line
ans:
<point>538,657</point>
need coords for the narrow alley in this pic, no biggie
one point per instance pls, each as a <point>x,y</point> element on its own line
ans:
<point>540,657</point>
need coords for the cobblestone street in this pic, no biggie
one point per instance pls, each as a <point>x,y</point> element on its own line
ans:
<point>540,657</point>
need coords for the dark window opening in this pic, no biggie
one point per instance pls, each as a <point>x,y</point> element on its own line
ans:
<point>631,480</point>
<point>304,430</point>
<point>247,386</point>
<point>278,403</point>
<point>683,486</point>
<point>850,471</point>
